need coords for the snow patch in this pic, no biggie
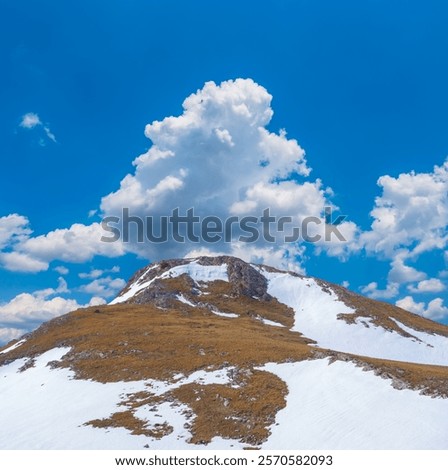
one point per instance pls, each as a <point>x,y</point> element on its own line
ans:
<point>223,314</point>
<point>198,272</point>
<point>14,346</point>
<point>182,299</point>
<point>270,322</point>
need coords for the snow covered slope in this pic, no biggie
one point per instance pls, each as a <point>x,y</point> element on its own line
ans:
<point>340,406</point>
<point>316,316</point>
<point>44,408</point>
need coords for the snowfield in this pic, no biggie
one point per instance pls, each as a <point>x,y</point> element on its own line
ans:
<point>316,318</point>
<point>339,406</point>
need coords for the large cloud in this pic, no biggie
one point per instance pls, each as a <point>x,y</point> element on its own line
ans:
<point>219,158</point>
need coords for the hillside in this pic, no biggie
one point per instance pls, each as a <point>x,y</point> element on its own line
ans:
<point>218,353</point>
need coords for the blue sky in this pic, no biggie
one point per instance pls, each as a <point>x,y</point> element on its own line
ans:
<point>361,86</point>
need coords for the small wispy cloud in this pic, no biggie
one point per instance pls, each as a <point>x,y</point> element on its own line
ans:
<point>61,270</point>
<point>31,121</point>
<point>104,287</point>
<point>49,134</point>
<point>96,273</point>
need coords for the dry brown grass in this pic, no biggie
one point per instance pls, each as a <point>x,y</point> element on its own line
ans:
<point>133,342</point>
<point>220,296</point>
<point>127,420</point>
<point>244,412</point>
<point>216,295</point>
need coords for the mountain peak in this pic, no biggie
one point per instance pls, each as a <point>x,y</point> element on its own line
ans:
<point>147,285</point>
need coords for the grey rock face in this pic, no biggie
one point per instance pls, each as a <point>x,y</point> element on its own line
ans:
<point>244,280</point>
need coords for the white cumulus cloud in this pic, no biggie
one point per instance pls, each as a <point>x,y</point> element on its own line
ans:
<point>429,285</point>
<point>435,310</point>
<point>13,228</point>
<point>401,273</point>
<point>410,218</point>
<point>219,158</point>
<point>77,244</point>
<point>22,262</point>
<point>411,212</point>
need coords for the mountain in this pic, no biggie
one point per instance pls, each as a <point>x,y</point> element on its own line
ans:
<point>216,353</point>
